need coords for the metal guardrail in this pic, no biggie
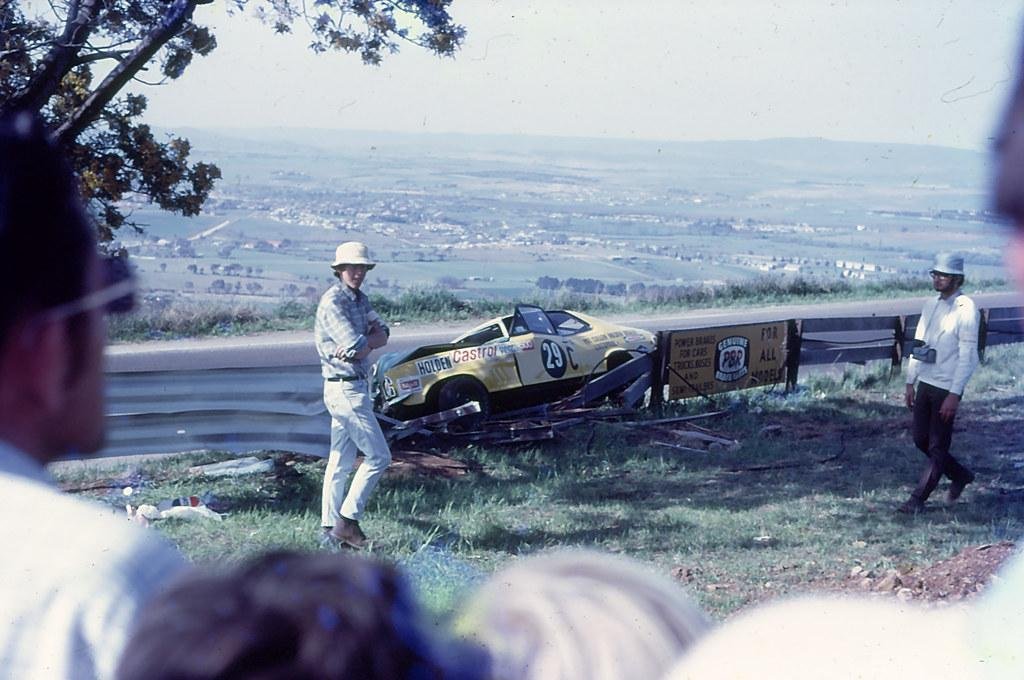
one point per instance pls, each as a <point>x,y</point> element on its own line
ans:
<point>248,408</point>
<point>235,409</point>
<point>814,342</point>
<point>1003,326</point>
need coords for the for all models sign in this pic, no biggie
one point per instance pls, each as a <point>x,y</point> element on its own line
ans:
<point>723,359</point>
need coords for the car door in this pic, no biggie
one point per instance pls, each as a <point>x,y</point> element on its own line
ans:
<point>487,354</point>
<point>550,357</point>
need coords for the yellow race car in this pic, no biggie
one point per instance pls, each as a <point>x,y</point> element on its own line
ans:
<point>530,357</point>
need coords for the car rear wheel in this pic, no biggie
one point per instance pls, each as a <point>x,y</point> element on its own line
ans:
<point>614,361</point>
<point>462,390</point>
<point>617,359</point>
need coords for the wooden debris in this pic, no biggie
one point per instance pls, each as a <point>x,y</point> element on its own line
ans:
<point>693,436</point>
<point>679,447</point>
<point>782,464</point>
<point>406,461</point>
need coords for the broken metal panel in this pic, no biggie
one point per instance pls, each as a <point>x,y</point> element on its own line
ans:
<point>634,394</point>
<point>618,377</point>
<point>400,429</point>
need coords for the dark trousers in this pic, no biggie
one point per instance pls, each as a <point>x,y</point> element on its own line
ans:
<point>933,435</point>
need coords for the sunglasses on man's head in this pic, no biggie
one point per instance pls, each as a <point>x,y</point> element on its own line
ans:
<point>115,296</point>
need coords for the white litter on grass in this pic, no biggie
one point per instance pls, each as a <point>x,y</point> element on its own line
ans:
<point>234,468</point>
<point>190,513</point>
<point>147,513</point>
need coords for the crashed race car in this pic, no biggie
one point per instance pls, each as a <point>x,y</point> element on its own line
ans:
<point>531,357</point>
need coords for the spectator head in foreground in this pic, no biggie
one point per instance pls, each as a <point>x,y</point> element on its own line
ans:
<point>292,616</point>
<point>581,614</point>
<point>1008,189</point>
<point>54,291</point>
<point>998,619</point>
<point>73,574</point>
<point>835,638</point>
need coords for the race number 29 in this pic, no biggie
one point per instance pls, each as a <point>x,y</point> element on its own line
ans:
<point>553,357</point>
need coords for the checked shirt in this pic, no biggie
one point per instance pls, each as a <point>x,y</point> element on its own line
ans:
<point>343,320</point>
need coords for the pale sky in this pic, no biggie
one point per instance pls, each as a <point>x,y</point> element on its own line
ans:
<point>914,71</point>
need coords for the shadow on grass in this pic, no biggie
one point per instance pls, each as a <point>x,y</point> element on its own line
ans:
<point>617,486</point>
<point>846,449</point>
<point>600,528</point>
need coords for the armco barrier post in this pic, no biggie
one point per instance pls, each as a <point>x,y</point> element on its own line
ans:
<point>794,340</point>
<point>660,368</point>
<point>899,338</point>
<point>982,334</point>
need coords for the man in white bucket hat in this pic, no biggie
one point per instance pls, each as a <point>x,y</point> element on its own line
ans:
<point>944,355</point>
<point>346,331</point>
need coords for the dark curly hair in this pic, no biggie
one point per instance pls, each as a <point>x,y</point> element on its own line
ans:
<point>46,239</point>
<point>291,616</point>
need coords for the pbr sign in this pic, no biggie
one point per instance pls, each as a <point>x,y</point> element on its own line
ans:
<point>712,360</point>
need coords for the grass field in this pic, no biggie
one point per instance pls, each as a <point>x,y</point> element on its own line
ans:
<point>807,495</point>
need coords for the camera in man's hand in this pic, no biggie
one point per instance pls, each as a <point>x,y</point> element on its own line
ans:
<point>922,352</point>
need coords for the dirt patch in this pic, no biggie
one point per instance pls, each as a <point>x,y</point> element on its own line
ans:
<point>407,462</point>
<point>960,577</point>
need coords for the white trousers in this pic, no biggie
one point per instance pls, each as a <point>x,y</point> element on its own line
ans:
<point>353,427</point>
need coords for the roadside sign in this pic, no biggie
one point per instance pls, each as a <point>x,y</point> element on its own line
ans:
<point>725,358</point>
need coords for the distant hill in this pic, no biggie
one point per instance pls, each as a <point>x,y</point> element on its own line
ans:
<point>776,160</point>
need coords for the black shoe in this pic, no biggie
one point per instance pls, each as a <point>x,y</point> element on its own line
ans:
<point>911,507</point>
<point>347,531</point>
<point>957,488</point>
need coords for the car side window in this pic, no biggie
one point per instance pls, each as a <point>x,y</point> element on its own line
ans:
<point>567,324</point>
<point>479,337</point>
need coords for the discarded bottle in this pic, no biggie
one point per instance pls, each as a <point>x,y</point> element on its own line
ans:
<point>189,501</point>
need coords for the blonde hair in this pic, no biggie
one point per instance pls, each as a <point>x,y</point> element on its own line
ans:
<point>581,614</point>
<point>809,638</point>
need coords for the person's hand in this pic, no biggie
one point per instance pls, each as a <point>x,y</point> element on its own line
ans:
<point>351,355</point>
<point>377,337</point>
<point>949,406</point>
<point>908,397</point>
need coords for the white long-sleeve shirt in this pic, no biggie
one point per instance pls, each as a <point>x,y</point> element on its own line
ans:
<point>951,327</point>
<point>72,577</point>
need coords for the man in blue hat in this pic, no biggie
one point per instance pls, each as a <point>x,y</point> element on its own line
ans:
<point>944,355</point>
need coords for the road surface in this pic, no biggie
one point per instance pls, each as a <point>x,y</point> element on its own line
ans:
<point>295,348</point>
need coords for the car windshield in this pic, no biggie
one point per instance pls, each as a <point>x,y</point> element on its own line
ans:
<point>533,320</point>
<point>567,324</point>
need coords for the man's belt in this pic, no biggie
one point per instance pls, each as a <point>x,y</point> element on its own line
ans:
<point>344,378</point>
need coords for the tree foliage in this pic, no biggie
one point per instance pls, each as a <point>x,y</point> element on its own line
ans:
<point>48,63</point>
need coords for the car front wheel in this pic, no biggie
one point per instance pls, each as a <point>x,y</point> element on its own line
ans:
<point>462,390</point>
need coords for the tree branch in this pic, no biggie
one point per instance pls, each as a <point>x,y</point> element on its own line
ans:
<point>59,60</point>
<point>177,15</point>
<point>99,56</point>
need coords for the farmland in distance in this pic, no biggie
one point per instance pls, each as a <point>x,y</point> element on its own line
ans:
<point>488,216</point>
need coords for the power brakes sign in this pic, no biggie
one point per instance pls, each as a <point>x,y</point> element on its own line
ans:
<point>712,360</point>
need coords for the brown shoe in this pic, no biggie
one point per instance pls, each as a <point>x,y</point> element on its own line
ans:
<point>911,507</point>
<point>347,531</point>
<point>957,488</point>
